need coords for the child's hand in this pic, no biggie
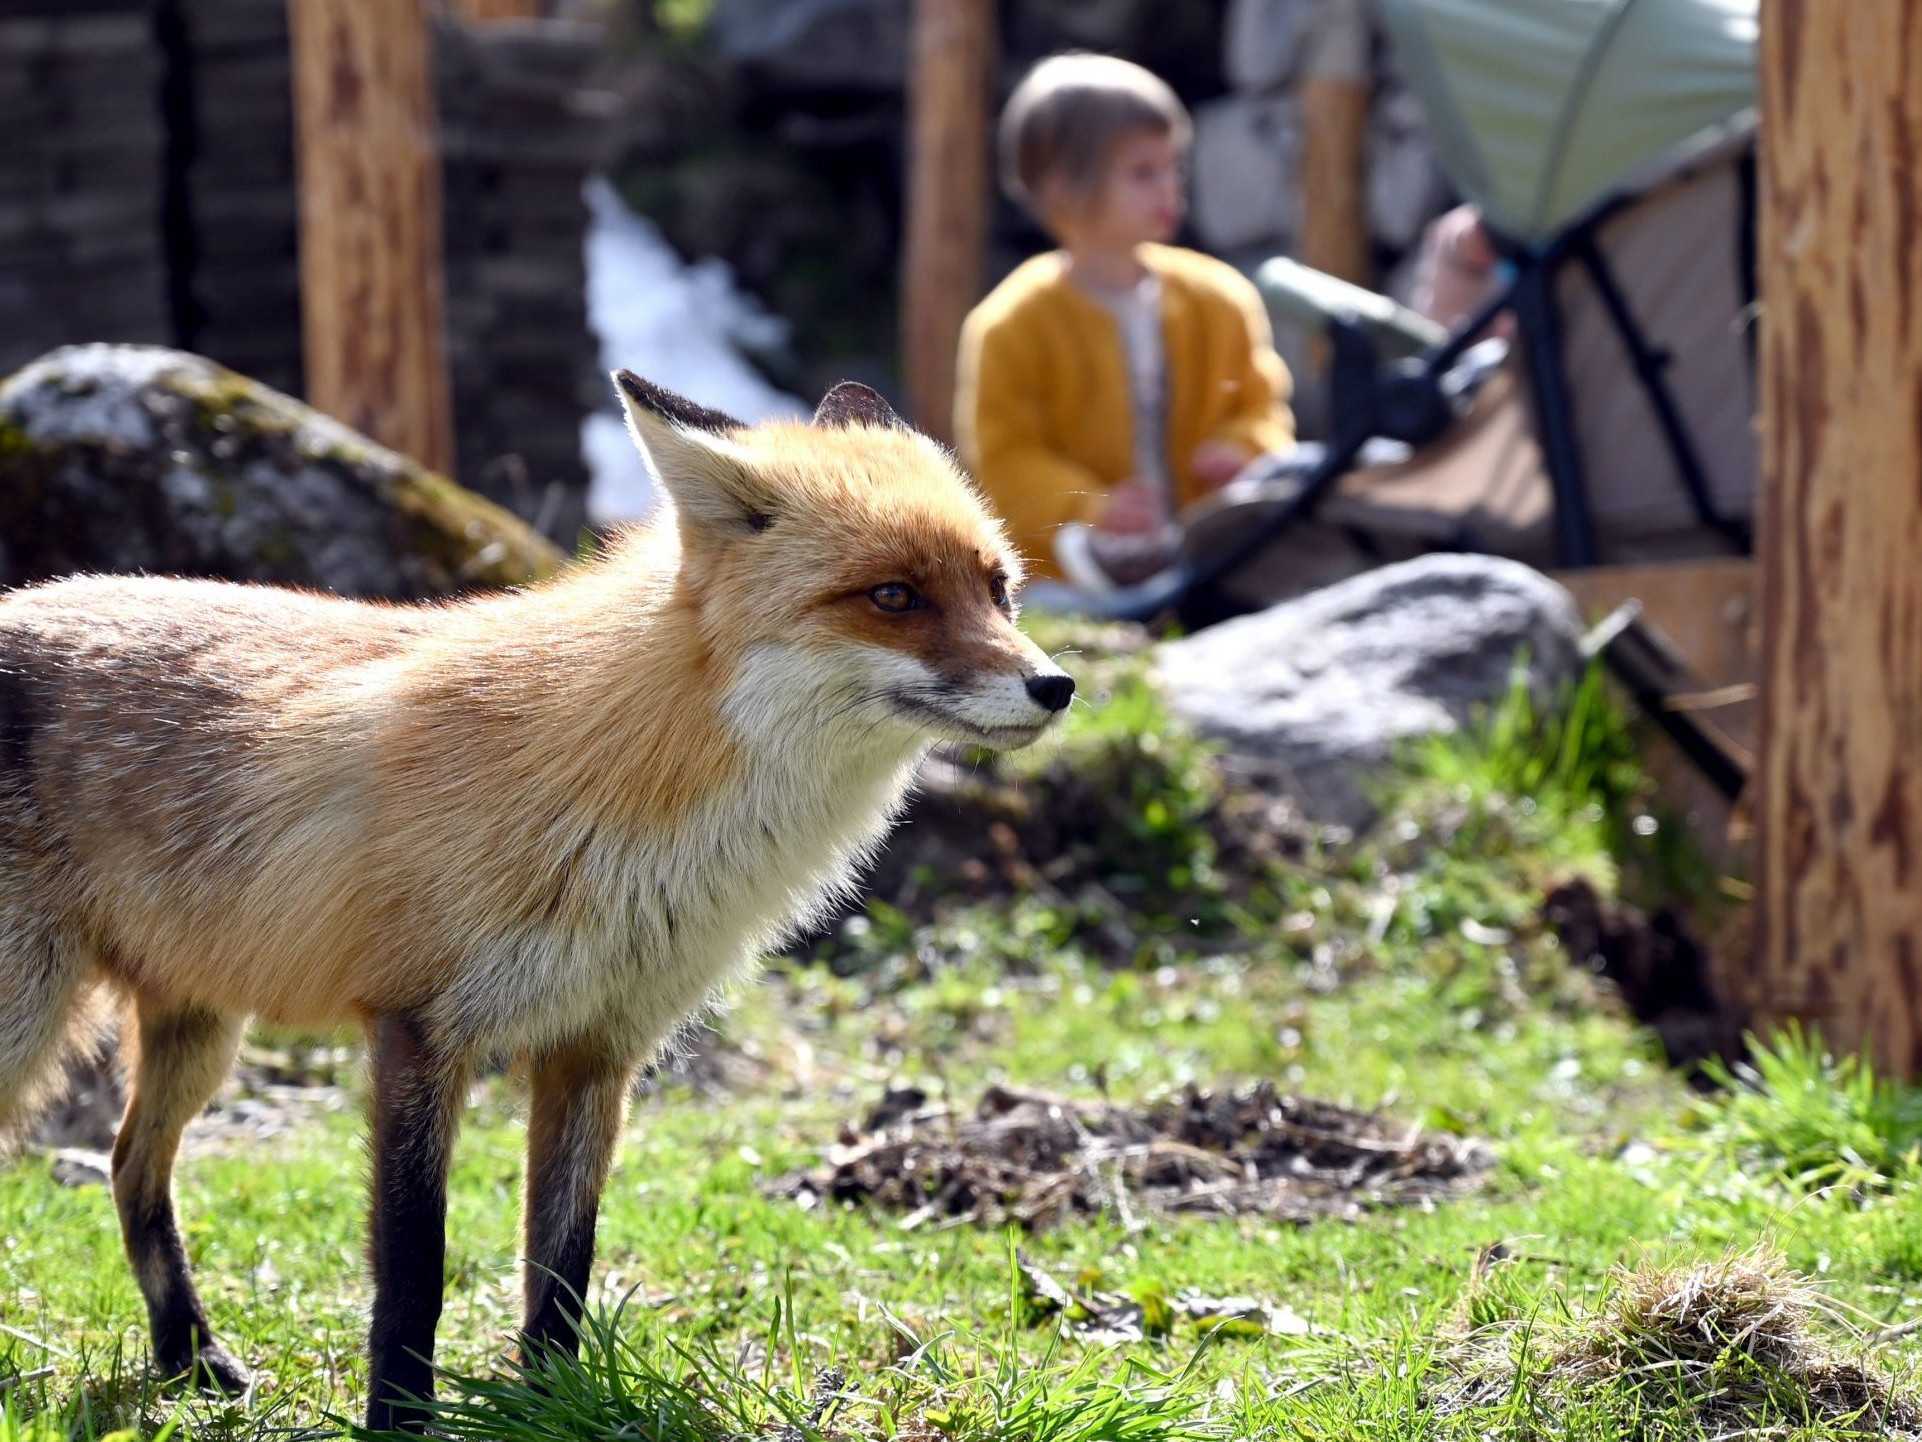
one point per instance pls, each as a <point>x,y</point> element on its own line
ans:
<point>1132,509</point>
<point>1216,463</point>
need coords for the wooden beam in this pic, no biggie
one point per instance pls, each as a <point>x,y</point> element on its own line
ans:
<point>1704,611</point>
<point>947,197</point>
<point>370,221</point>
<point>1839,794</point>
<point>1704,608</point>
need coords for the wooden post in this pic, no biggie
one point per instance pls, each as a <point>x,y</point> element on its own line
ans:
<point>947,197</point>
<point>1839,797</point>
<point>481,12</point>
<point>370,221</point>
<point>1334,94</point>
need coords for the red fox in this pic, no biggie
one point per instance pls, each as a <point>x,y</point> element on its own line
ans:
<point>546,825</point>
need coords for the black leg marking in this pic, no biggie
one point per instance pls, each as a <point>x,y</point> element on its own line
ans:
<point>417,1096</point>
<point>180,1058</point>
<point>579,1102</point>
<point>183,1340</point>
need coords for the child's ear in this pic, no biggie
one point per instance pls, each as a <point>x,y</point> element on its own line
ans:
<point>1062,207</point>
<point>692,454</point>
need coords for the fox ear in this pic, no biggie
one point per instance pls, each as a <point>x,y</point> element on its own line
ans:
<point>852,404</point>
<point>690,450</point>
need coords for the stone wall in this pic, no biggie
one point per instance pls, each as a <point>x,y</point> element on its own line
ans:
<point>81,177</point>
<point>147,193</point>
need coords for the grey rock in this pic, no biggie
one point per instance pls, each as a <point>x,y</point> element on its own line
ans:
<point>1320,691</point>
<point>139,458</point>
<point>86,1112</point>
<point>80,1167</point>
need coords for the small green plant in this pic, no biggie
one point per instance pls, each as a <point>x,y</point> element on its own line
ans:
<point>1573,758</point>
<point>1058,1401</point>
<point>985,1392</point>
<point>17,1426</point>
<point>1564,778</point>
<point>945,1387</point>
<point>616,1387</point>
<point>1809,1119</point>
<point>1157,780</point>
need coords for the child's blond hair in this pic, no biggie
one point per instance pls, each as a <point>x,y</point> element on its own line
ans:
<point>1063,119</point>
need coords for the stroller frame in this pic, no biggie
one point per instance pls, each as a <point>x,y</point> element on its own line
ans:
<point>1380,405</point>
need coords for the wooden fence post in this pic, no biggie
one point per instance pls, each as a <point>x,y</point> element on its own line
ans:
<point>947,196</point>
<point>1839,786</point>
<point>1334,92</point>
<point>483,12</point>
<point>370,221</point>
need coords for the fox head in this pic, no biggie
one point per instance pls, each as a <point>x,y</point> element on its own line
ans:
<point>848,570</point>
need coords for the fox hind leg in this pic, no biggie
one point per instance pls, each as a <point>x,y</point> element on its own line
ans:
<point>180,1057</point>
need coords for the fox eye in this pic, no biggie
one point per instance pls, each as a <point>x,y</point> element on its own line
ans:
<point>998,591</point>
<point>896,596</point>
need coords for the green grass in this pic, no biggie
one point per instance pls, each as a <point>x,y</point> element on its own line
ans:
<point>1409,974</point>
<point>1572,765</point>
<point>1794,1114</point>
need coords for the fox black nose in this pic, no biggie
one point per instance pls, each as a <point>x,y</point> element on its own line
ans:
<point>1054,692</point>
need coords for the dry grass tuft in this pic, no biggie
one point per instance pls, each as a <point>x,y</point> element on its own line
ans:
<point>1737,1346</point>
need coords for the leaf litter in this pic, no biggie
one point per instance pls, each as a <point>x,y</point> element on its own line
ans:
<point>1108,1317</point>
<point>1032,1160</point>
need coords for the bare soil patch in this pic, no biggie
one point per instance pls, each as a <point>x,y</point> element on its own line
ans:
<point>1666,976</point>
<point>1034,1160</point>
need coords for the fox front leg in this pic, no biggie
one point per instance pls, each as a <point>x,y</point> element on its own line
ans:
<point>418,1091</point>
<point>579,1102</point>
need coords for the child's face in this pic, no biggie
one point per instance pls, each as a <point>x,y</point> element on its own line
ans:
<point>1139,199</point>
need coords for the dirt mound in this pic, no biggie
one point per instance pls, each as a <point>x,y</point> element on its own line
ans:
<point>1665,976</point>
<point>1032,1159</point>
<point>1111,841</point>
<point>1732,1343</point>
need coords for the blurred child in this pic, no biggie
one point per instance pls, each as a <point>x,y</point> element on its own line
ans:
<point>1107,384</point>
<point>1457,269</point>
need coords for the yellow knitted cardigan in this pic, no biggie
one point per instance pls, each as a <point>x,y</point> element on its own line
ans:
<point>1042,414</point>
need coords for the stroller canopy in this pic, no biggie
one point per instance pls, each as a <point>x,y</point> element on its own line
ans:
<point>1540,108</point>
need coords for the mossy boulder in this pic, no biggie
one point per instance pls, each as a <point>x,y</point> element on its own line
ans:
<point>139,458</point>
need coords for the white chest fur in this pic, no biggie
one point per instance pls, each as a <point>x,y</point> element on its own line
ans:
<point>674,914</point>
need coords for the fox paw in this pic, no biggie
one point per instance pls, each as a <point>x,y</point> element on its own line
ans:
<point>211,1369</point>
